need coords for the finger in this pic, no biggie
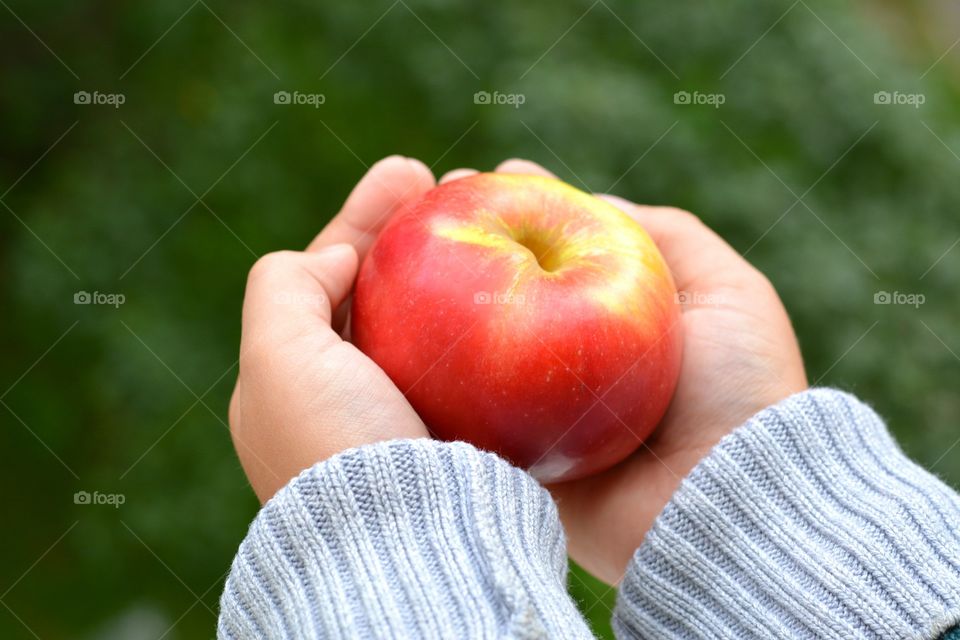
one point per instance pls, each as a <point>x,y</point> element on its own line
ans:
<point>660,222</point>
<point>291,295</point>
<point>517,165</point>
<point>341,315</point>
<point>387,187</point>
<point>695,254</point>
<point>456,174</point>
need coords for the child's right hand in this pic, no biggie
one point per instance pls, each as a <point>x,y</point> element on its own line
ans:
<point>305,394</point>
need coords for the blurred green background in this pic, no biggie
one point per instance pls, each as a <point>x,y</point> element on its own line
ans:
<point>836,193</point>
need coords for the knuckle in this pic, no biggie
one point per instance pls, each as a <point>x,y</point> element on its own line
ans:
<point>271,263</point>
<point>233,410</point>
<point>761,281</point>
<point>686,216</point>
<point>679,218</point>
<point>255,356</point>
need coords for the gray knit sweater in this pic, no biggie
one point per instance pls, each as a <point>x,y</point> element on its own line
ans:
<point>806,522</point>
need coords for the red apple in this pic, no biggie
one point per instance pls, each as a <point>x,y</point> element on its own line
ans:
<point>526,317</point>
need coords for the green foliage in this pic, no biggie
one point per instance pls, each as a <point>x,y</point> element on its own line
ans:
<point>133,399</point>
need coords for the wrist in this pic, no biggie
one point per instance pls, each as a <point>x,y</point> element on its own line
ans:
<point>807,519</point>
<point>434,535</point>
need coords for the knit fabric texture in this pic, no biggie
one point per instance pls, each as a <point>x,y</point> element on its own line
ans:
<point>807,522</point>
<point>404,539</point>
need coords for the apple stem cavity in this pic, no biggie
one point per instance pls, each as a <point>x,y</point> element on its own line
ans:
<point>544,245</point>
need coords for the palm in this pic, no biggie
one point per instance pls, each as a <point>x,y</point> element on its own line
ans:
<point>739,357</point>
<point>340,380</point>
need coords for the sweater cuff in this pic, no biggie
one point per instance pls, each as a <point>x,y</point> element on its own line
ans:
<point>807,521</point>
<point>407,538</point>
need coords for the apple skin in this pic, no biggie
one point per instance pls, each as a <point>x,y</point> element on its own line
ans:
<point>563,364</point>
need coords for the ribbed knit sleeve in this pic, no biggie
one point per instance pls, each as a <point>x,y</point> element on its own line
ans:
<point>806,522</point>
<point>403,539</point>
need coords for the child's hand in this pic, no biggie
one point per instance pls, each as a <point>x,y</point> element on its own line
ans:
<point>740,356</point>
<point>304,393</point>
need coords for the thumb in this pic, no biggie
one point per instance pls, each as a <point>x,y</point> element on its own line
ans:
<point>291,294</point>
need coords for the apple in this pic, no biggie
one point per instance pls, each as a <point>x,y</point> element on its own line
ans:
<point>526,317</point>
